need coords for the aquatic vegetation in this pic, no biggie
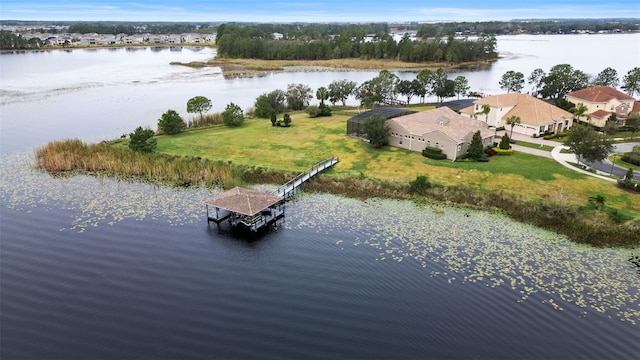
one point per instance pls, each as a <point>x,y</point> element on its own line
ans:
<point>461,245</point>
<point>481,247</point>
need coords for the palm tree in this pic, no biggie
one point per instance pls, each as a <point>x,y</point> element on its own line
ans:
<point>579,111</point>
<point>486,109</point>
<point>513,120</point>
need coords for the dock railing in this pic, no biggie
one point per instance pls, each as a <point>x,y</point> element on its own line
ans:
<point>290,186</point>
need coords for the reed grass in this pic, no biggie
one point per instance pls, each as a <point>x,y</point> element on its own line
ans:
<point>64,156</point>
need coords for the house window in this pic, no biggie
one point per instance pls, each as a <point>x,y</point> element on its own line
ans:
<point>611,107</point>
<point>400,141</point>
<point>459,147</point>
<point>477,107</point>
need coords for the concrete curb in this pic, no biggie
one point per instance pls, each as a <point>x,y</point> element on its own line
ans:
<point>563,158</point>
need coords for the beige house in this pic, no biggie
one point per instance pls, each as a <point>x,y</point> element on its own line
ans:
<point>440,128</point>
<point>537,117</point>
<point>602,101</point>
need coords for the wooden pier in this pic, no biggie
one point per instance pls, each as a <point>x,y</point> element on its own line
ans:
<point>291,187</point>
<point>252,209</point>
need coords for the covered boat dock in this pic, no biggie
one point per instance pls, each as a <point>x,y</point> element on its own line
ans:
<point>247,208</point>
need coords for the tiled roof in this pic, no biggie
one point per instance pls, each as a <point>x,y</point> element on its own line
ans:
<point>444,120</point>
<point>243,201</point>
<point>530,110</point>
<point>600,114</point>
<point>636,107</point>
<point>599,94</point>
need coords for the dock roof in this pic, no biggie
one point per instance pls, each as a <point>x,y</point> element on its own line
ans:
<point>243,201</point>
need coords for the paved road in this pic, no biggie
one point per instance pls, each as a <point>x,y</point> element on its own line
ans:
<point>605,167</point>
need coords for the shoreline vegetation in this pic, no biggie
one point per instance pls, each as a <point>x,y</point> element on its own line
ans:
<point>237,68</point>
<point>555,198</point>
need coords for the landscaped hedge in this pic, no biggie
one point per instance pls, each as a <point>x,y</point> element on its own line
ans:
<point>556,135</point>
<point>503,151</point>
<point>433,153</point>
<point>631,158</point>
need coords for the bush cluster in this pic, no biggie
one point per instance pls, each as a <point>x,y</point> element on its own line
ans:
<point>500,151</point>
<point>433,153</point>
<point>631,158</point>
<point>559,135</point>
<point>316,111</point>
<point>284,122</point>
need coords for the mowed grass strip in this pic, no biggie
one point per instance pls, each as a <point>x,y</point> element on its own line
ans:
<point>309,140</point>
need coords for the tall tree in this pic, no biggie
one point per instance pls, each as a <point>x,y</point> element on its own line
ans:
<point>377,130</point>
<point>588,144</point>
<point>607,77</point>
<point>340,90</point>
<point>562,79</point>
<point>298,96</point>
<point>461,86</point>
<point>441,86</point>
<point>512,121</point>
<point>277,99</point>
<point>512,81</point>
<point>322,94</point>
<point>379,90</point>
<point>631,81</point>
<point>632,122</point>
<point>170,123</point>
<point>262,106</point>
<point>535,80</point>
<point>425,77</point>
<point>404,88</point>
<point>198,104</point>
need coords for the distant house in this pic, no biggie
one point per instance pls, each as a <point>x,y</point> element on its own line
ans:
<point>602,101</point>
<point>440,128</point>
<point>537,117</point>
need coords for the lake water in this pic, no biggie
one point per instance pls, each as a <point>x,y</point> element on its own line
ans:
<point>96,268</point>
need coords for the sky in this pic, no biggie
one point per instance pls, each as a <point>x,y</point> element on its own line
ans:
<point>286,11</point>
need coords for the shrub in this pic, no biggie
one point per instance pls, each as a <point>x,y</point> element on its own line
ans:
<point>490,152</point>
<point>142,140</point>
<point>500,151</point>
<point>232,115</point>
<point>631,158</point>
<point>170,123</point>
<point>313,111</point>
<point>420,185</point>
<point>433,153</point>
<point>274,119</point>
<point>325,110</point>
<point>505,143</point>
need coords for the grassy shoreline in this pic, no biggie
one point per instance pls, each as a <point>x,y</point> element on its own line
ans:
<point>527,188</point>
<point>232,68</point>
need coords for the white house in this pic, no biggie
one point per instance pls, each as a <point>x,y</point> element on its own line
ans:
<point>537,117</point>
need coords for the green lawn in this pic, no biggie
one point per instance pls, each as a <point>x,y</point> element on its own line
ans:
<point>307,141</point>
<point>534,145</point>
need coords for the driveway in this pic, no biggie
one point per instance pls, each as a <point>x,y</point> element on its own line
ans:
<point>604,167</point>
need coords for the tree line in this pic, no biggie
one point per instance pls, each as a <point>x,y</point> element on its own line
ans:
<point>352,42</point>
<point>531,27</point>
<point>11,41</point>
